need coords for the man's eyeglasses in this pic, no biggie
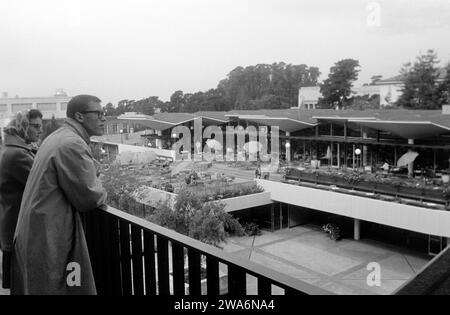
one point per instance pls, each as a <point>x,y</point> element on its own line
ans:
<point>37,126</point>
<point>100,113</point>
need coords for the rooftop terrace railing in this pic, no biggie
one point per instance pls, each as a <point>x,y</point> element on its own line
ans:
<point>387,189</point>
<point>131,256</point>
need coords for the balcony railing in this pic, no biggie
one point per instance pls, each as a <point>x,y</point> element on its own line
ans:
<point>433,279</point>
<point>131,256</point>
<point>387,189</point>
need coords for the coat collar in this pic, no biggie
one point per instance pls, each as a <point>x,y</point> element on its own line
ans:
<point>16,141</point>
<point>78,129</point>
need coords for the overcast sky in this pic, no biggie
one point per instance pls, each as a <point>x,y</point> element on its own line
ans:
<point>133,49</point>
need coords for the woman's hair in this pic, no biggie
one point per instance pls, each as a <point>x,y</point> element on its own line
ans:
<point>21,121</point>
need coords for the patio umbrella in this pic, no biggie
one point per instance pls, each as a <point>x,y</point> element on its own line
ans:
<point>181,167</point>
<point>407,158</point>
<point>328,156</point>
<point>253,146</point>
<point>214,144</point>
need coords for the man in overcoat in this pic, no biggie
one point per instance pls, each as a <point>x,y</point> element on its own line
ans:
<point>50,254</point>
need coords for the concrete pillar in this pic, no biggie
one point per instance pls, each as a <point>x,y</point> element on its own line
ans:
<point>345,130</point>
<point>353,156</point>
<point>272,218</point>
<point>357,229</point>
<point>158,144</point>
<point>339,155</point>
<point>288,147</point>
<point>410,165</point>
<point>365,151</point>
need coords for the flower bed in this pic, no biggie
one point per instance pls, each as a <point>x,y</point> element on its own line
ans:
<point>407,188</point>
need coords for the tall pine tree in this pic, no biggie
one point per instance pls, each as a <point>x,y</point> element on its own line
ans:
<point>336,89</point>
<point>421,90</point>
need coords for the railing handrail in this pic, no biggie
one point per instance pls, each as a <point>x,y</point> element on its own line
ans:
<point>434,276</point>
<point>254,269</point>
<point>424,195</point>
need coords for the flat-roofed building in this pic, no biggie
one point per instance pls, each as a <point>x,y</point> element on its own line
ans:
<point>51,106</point>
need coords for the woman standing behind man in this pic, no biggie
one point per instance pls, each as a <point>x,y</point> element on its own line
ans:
<point>16,159</point>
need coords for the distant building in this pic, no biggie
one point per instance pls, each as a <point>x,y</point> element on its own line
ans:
<point>392,88</point>
<point>366,90</point>
<point>389,89</point>
<point>49,106</point>
<point>308,97</point>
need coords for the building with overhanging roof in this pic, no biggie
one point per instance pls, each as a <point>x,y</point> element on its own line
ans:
<point>312,133</point>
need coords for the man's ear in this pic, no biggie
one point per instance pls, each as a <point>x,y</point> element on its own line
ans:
<point>79,117</point>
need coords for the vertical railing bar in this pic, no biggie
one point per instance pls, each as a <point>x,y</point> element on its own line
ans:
<point>107,249</point>
<point>264,287</point>
<point>115,256</point>
<point>194,272</point>
<point>125,256</point>
<point>163,266</point>
<point>212,275</point>
<point>138,273</point>
<point>149,261</point>
<point>97,269</point>
<point>178,268</point>
<point>237,281</point>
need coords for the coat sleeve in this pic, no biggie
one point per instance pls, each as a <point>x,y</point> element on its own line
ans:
<point>77,176</point>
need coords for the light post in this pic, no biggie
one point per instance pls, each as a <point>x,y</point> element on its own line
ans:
<point>288,151</point>
<point>121,135</point>
<point>358,158</point>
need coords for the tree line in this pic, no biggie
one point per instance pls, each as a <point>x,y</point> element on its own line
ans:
<point>276,86</point>
<point>262,86</point>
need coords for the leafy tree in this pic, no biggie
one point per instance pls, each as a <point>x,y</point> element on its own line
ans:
<point>253,87</point>
<point>122,107</point>
<point>336,89</point>
<point>177,102</point>
<point>364,102</point>
<point>244,88</point>
<point>444,88</point>
<point>146,106</point>
<point>420,89</point>
<point>110,110</point>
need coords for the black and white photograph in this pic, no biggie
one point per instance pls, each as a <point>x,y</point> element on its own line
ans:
<point>224,155</point>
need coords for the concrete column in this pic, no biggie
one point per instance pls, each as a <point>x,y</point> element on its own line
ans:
<point>353,156</point>
<point>339,155</point>
<point>365,151</point>
<point>357,229</point>
<point>345,130</point>
<point>288,147</point>
<point>158,144</point>
<point>410,165</point>
<point>272,218</point>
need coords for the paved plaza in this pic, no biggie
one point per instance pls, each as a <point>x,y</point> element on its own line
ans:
<point>306,253</point>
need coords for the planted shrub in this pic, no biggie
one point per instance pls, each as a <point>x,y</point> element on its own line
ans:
<point>252,229</point>
<point>206,222</point>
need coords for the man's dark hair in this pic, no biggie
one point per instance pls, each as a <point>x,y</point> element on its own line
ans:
<point>80,103</point>
<point>33,114</point>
